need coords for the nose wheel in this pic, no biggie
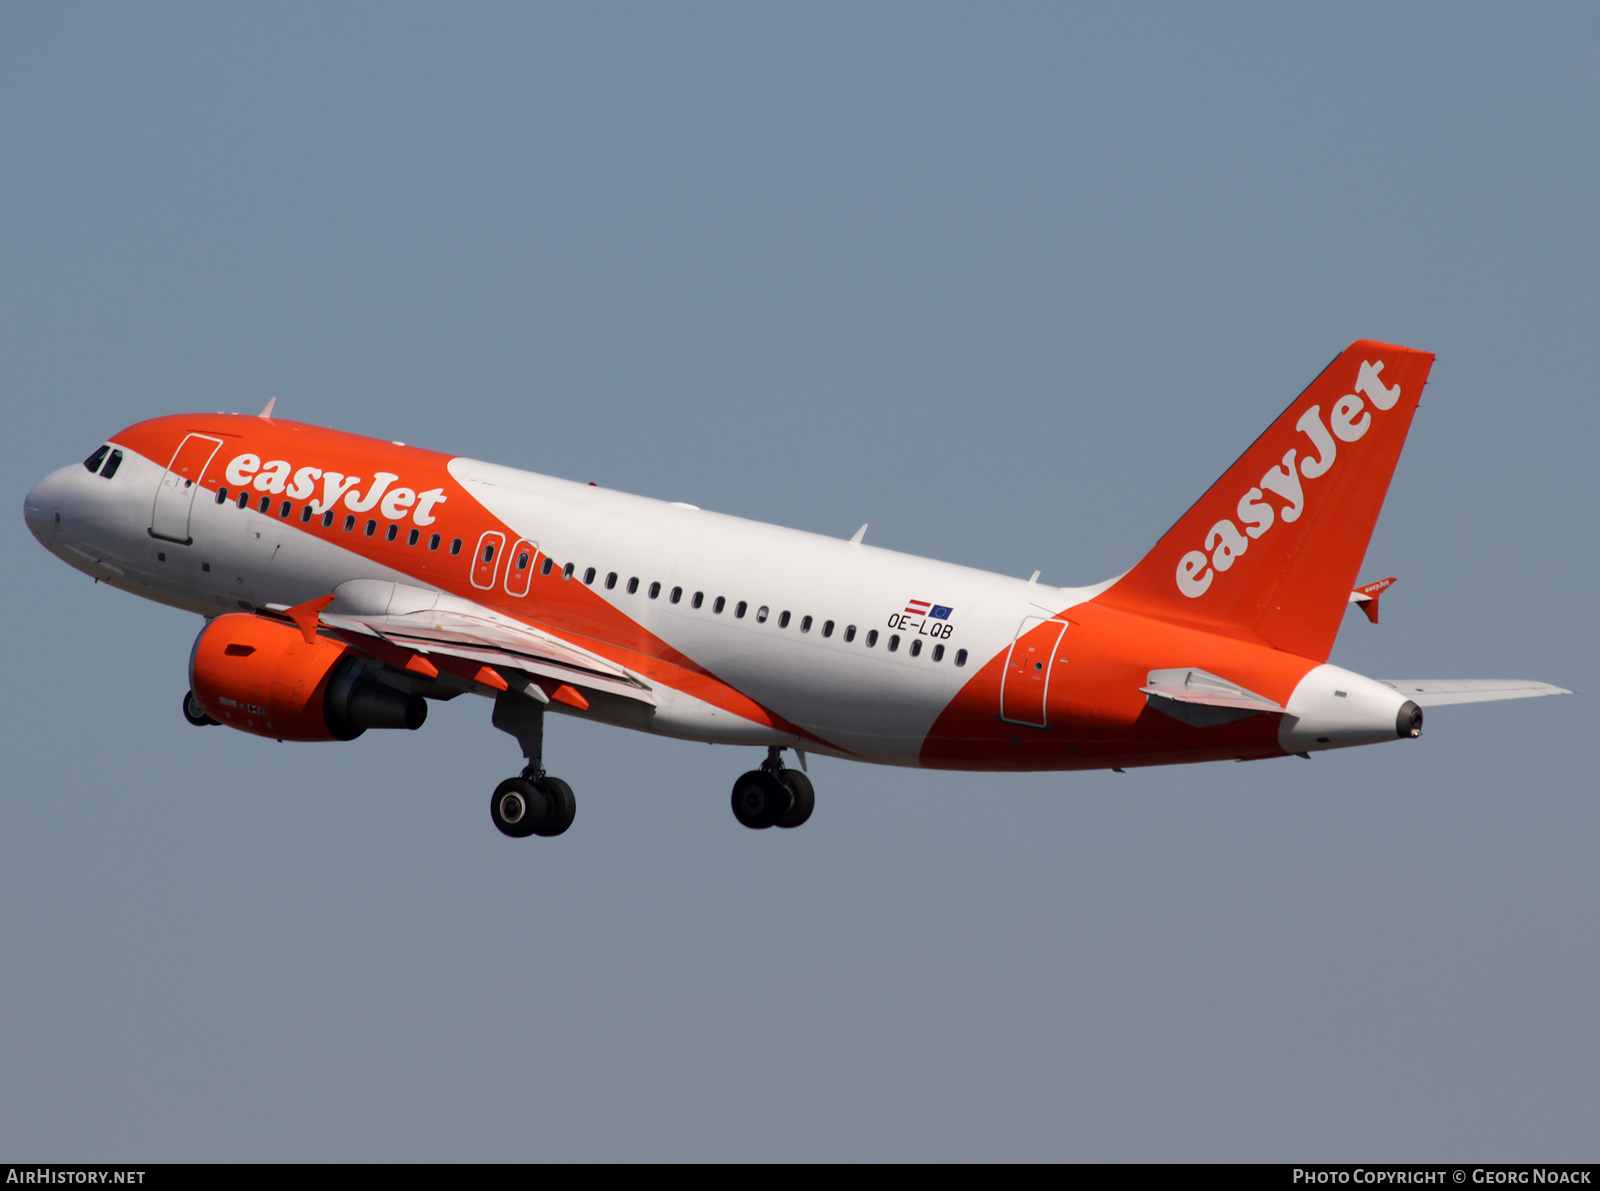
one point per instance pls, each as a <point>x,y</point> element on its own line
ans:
<point>773,796</point>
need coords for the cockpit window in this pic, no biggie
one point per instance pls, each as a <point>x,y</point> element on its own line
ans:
<point>94,461</point>
<point>111,465</point>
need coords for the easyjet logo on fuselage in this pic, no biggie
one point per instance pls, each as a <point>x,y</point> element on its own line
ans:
<point>1349,420</point>
<point>278,475</point>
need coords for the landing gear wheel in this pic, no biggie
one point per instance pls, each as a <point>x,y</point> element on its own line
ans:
<point>562,806</point>
<point>760,799</point>
<point>804,801</point>
<point>518,808</point>
<point>194,713</point>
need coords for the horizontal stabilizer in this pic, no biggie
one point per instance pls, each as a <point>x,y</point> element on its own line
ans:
<point>1201,699</point>
<point>1366,596</point>
<point>1440,692</point>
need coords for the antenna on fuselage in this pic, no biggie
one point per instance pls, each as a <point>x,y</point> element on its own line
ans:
<point>267,412</point>
<point>855,538</point>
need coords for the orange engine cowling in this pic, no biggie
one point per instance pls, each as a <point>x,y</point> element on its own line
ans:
<point>261,676</point>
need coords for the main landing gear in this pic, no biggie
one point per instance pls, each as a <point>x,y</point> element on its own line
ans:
<point>773,796</point>
<point>533,803</point>
<point>195,714</point>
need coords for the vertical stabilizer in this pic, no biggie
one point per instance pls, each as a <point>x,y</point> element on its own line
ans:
<point>1272,550</point>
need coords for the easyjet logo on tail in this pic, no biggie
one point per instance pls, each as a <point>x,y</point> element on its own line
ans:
<point>394,503</point>
<point>1348,421</point>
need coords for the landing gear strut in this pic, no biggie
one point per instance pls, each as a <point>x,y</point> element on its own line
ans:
<point>773,796</point>
<point>533,803</point>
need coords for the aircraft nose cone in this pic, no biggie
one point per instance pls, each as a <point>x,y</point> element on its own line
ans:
<point>42,507</point>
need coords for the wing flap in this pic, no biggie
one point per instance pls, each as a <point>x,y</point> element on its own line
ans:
<point>405,625</point>
<point>531,652</point>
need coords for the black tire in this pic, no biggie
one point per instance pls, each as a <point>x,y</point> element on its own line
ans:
<point>518,808</point>
<point>760,799</point>
<point>805,798</point>
<point>563,807</point>
<point>194,713</point>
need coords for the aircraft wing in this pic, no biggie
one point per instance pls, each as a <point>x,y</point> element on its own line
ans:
<point>1438,692</point>
<point>400,624</point>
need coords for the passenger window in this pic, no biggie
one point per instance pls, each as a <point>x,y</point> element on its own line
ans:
<point>93,462</point>
<point>938,653</point>
<point>761,614</point>
<point>392,532</point>
<point>805,624</point>
<point>413,537</point>
<point>611,581</point>
<point>372,527</point>
<point>349,522</point>
<point>655,590</point>
<point>677,594</point>
<point>916,646</point>
<point>961,657</point>
<point>547,565</point>
<point>222,496</point>
<point>488,552</point>
<point>566,571</point>
<point>894,642</point>
<point>718,604</point>
<point>519,575</point>
<point>285,509</point>
<point>327,519</point>
<point>738,613</point>
<point>633,585</point>
<point>266,503</point>
<point>588,577</point>
<point>111,467</point>
<point>827,628</point>
<point>699,598</point>
<point>244,499</point>
<point>305,515</point>
<point>783,620</point>
<point>433,542</point>
<point>523,558</point>
<point>455,545</point>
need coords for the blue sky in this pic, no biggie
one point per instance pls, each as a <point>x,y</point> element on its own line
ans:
<point>1012,284</point>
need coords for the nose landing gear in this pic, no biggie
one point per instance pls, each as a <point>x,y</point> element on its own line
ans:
<point>534,803</point>
<point>773,796</point>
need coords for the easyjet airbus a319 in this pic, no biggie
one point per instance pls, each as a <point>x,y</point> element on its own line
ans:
<point>347,582</point>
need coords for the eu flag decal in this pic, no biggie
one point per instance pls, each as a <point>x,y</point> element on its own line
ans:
<point>939,612</point>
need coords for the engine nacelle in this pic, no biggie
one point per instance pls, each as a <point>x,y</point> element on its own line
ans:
<point>261,676</point>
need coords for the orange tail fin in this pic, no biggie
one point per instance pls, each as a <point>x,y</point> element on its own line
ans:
<point>1271,551</point>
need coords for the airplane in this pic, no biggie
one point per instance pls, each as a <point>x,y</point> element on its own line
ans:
<point>348,582</point>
